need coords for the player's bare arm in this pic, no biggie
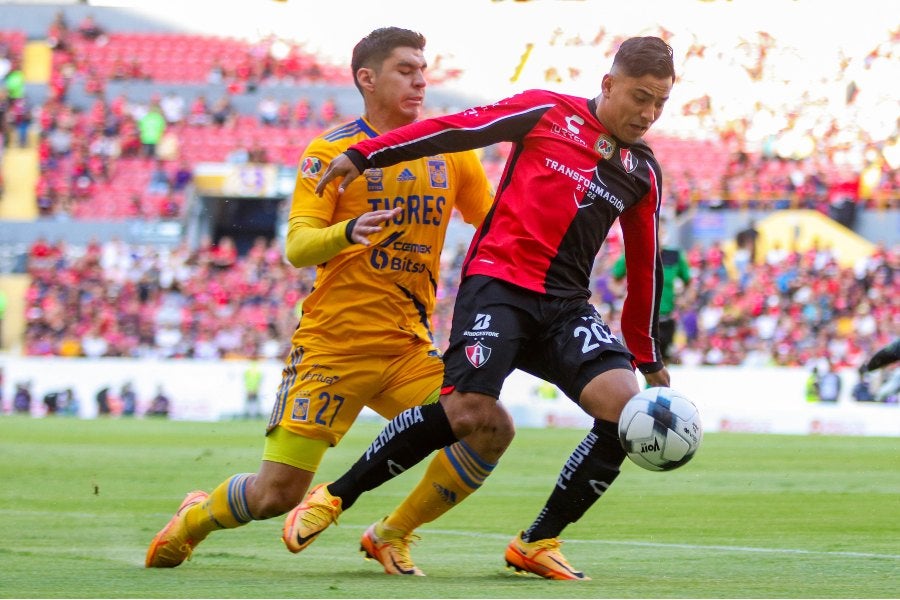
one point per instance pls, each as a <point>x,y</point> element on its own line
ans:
<point>341,167</point>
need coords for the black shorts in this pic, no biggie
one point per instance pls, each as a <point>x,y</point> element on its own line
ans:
<point>498,327</point>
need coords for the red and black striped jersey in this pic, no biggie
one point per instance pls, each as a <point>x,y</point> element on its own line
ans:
<point>566,181</point>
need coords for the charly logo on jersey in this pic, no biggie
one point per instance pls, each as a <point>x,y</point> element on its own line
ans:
<point>605,146</point>
<point>406,175</point>
<point>311,167</point>
<point>374,180</point>
<point>572,123</point>
<point>437,173</point>
<point>571,130</point>
<point>628,160</point>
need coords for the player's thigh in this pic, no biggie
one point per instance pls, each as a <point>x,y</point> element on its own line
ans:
<point>321,394</point>
<point>410,379</point>
<point>607,393</point>
<point>580,349</point>
<point>492,322</point>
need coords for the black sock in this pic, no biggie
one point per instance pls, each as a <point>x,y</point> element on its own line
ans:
<point>407,439</point>
<point>587,474</point>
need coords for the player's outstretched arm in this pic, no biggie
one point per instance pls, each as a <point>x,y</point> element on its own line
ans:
<point>312,241</point>
<point>341,167</point>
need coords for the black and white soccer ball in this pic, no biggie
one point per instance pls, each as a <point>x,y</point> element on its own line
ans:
<point>660,429</point>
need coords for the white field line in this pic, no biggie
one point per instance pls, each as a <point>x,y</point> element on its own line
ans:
<point>568,540</point>
<point>736,549</point>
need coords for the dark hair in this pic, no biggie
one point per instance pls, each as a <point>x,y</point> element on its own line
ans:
<point>639,56</point>
<point>372,50</point>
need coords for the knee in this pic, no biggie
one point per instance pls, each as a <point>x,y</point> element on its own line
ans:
<point>491,439</point>
<point>468,413</point>
<point>502,427</point>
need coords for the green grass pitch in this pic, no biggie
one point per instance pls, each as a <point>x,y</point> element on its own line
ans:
<point>752,516</point>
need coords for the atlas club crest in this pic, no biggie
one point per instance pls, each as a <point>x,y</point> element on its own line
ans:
<point>478,354</point>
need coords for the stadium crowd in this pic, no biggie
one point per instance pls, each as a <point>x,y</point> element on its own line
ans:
<point>766,149</point>
<point>115,299</point>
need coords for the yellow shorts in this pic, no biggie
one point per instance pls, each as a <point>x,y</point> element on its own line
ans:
<point>321,395</point>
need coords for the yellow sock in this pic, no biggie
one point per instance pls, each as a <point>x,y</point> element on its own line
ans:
<point>452,476</point>
<point>226,508</point>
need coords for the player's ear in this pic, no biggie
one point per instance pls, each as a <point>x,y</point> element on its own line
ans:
<point>606,85</point>
<point>365,77</point>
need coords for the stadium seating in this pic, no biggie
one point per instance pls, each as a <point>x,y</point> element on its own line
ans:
<point>182,61</point>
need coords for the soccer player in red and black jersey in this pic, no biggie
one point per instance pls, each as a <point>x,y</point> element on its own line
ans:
<point>575,166</point>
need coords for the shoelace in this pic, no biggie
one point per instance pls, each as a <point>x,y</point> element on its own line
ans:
<point>187,549</point>
<point>320,515</point>
<point>401,548</point>
<point>551,544</point>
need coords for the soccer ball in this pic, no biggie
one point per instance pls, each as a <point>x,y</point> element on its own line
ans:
<point>660,429</point>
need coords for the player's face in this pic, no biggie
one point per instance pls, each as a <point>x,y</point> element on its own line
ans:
<point>400,84</point>
<point>632,104</point>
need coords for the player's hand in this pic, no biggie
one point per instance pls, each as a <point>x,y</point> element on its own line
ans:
<point>658,379</point>
<point>341,167</point>
<point>371,222</point>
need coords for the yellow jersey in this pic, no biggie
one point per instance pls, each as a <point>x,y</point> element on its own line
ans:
<point>378,299</point>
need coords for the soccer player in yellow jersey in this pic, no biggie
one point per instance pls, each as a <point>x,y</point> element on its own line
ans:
<point>364,338</point>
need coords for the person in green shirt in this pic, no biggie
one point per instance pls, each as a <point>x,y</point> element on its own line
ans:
<point>15,82</point>
<point>812,385</point>
<point>18,111</point>
<point>151,126</point>
<point>675,267</point>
